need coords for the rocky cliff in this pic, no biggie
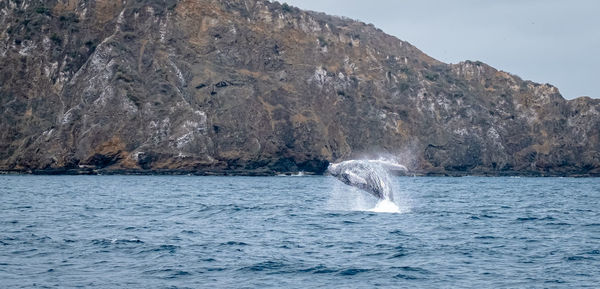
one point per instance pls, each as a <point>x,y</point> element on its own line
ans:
<point>254,87</point>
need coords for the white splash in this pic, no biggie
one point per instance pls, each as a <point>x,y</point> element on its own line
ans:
<point>386,206</point>
<point>344,198</point>
<point>298,174</point>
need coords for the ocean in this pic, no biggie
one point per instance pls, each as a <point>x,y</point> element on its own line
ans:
<point>297,232</point>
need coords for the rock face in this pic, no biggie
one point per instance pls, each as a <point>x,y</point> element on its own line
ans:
<point>254,87</point>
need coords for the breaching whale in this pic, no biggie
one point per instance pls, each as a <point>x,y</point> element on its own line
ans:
<point>370,176</point>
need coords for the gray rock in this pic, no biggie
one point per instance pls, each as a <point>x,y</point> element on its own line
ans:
<point>252,87</point>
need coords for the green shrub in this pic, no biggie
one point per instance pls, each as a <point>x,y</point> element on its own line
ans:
<point>69,17</point>
<point>56,39</point>
<point>431,76</point>
<point>43,10</point>
<point>286,7</point>
<point>322,41</point>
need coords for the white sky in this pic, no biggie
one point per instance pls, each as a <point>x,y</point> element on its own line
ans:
<point>547,41</point>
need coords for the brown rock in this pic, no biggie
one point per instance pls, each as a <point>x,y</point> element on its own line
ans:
<point>252,87</point>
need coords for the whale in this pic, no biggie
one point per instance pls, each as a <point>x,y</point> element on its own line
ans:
<point>371,176</point>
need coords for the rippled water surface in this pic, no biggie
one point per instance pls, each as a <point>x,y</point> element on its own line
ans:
<point>297,232</point>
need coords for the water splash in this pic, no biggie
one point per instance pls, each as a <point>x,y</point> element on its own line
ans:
<point>386,206</point>
<point>298,174</point>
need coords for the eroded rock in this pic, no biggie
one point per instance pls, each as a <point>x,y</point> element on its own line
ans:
<point>254,87</point>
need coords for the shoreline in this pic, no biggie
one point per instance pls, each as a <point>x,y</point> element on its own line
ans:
<point>269,173</point>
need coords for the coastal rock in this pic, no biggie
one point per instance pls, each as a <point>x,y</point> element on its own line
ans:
<point>254,87</point>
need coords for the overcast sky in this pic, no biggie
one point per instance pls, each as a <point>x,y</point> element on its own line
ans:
<point>547,41</point>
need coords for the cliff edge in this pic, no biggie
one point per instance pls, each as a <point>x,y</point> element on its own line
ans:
<point>254,87</point>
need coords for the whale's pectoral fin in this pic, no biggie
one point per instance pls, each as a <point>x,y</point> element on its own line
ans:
<point>354,179</point>
<point>390,166</point>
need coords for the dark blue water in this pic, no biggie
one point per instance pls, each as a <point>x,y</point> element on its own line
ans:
<point>298,232</point>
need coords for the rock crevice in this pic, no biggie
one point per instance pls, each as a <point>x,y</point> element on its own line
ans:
<point>255,87</point>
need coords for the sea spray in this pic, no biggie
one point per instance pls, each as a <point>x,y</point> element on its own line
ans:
<point>386,206</point>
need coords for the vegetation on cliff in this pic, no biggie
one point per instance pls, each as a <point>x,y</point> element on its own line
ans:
<point>256,87</point>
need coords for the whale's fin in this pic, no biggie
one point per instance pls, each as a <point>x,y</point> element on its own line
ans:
<point>388,165</point>
<point>355,179</point>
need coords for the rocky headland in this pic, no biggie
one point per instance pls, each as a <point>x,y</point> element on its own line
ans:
<point>254,87</point>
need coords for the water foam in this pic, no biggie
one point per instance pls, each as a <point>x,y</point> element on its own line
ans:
<point>386,206</point>
<point>344,199</point>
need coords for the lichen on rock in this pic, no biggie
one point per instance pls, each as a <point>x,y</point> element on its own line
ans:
<point>256,87</point>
